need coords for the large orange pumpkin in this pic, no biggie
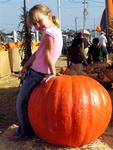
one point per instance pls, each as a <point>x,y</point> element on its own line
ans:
<point>70,110</point>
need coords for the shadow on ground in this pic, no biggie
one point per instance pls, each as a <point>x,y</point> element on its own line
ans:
<point>7,107</point>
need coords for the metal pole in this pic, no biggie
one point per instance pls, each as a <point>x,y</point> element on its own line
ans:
<point>85,12</point>
<point>94,28</point>
<point>59,11</point>
<point>76,24</point>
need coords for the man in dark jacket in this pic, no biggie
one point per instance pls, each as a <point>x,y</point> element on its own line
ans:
<point>97,53</point>
<point>75,51</point>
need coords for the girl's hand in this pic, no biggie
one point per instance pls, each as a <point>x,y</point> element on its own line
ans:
<point>23,72</point>
<point>47,78</point>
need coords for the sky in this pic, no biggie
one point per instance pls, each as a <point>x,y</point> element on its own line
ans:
<point>10,11</point>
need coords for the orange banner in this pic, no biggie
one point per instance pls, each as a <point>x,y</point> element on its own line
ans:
<point>109,13</point>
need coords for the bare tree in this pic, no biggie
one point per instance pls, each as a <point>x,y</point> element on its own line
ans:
<point>26,36</point>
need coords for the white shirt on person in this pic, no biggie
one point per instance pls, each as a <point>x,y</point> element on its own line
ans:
<point>103,40</point>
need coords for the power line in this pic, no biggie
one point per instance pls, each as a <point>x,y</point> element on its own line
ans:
<point>73,1</point>
<point>96,1</point>
<point>96,6</point>
<point>72,7</point>
<point>5,1</point>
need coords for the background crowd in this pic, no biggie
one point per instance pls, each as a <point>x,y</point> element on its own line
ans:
<point>83,51</point>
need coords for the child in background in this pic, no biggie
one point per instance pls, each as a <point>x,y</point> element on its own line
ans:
<point>41,65</point>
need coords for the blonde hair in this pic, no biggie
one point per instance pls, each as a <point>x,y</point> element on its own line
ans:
<point>43,9</point>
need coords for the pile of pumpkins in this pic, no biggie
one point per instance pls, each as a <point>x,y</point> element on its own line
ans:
<point>7,45</point>
<point>11,56</point>
<point>4,46</point>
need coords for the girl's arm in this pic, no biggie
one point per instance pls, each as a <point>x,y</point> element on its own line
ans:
<point>27,65</point>
<point>48,57</point>
<point>29,61</point>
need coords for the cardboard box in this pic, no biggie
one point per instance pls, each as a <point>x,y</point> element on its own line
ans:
<point>4,64</point>
<point>15,59</point>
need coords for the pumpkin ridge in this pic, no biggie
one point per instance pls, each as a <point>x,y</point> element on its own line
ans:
<point>106,109</point>
<point>88,110</point>
<point>85,110</point>
<point>74,114</point>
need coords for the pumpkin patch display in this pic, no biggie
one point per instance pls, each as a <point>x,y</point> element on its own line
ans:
<point>14,56</point>
<point>70,110</point>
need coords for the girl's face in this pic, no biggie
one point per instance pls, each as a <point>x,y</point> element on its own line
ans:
<point>41,22</point>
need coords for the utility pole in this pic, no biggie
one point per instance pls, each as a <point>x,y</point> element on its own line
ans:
<point>85,12</point>
<point>76,24</point>
<point>59,11</point>
<point>94,28</point>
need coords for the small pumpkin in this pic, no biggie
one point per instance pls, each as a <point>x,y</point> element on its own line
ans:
<point>70,110</point>
<point>18,44</point>
<point>98,28</point>
<point>12,45</point>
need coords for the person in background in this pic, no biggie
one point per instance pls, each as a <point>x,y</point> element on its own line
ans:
<point>75,51</point>
<point>103,39</point>
<point>109,45</point>
<point>87,43</point>
<point>75,57</point>
<point>110,50</point>
<point>97,52</point>
<point>41,65</point>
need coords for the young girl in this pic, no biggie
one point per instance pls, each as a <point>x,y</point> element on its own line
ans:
<point>41,65</point>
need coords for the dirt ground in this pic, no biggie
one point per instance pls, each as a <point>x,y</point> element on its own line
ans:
<point>8,92</point>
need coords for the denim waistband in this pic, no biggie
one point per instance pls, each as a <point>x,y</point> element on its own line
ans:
<point>37,72</point>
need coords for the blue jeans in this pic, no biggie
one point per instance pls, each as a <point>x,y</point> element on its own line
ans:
<point>31,80</point>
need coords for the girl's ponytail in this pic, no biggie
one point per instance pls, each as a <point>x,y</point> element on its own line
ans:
<point>56,21</point>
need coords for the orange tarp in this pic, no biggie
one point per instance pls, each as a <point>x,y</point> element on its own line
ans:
<point>109,11</point>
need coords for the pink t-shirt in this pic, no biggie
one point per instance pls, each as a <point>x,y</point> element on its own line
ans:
<point>40,64</point>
